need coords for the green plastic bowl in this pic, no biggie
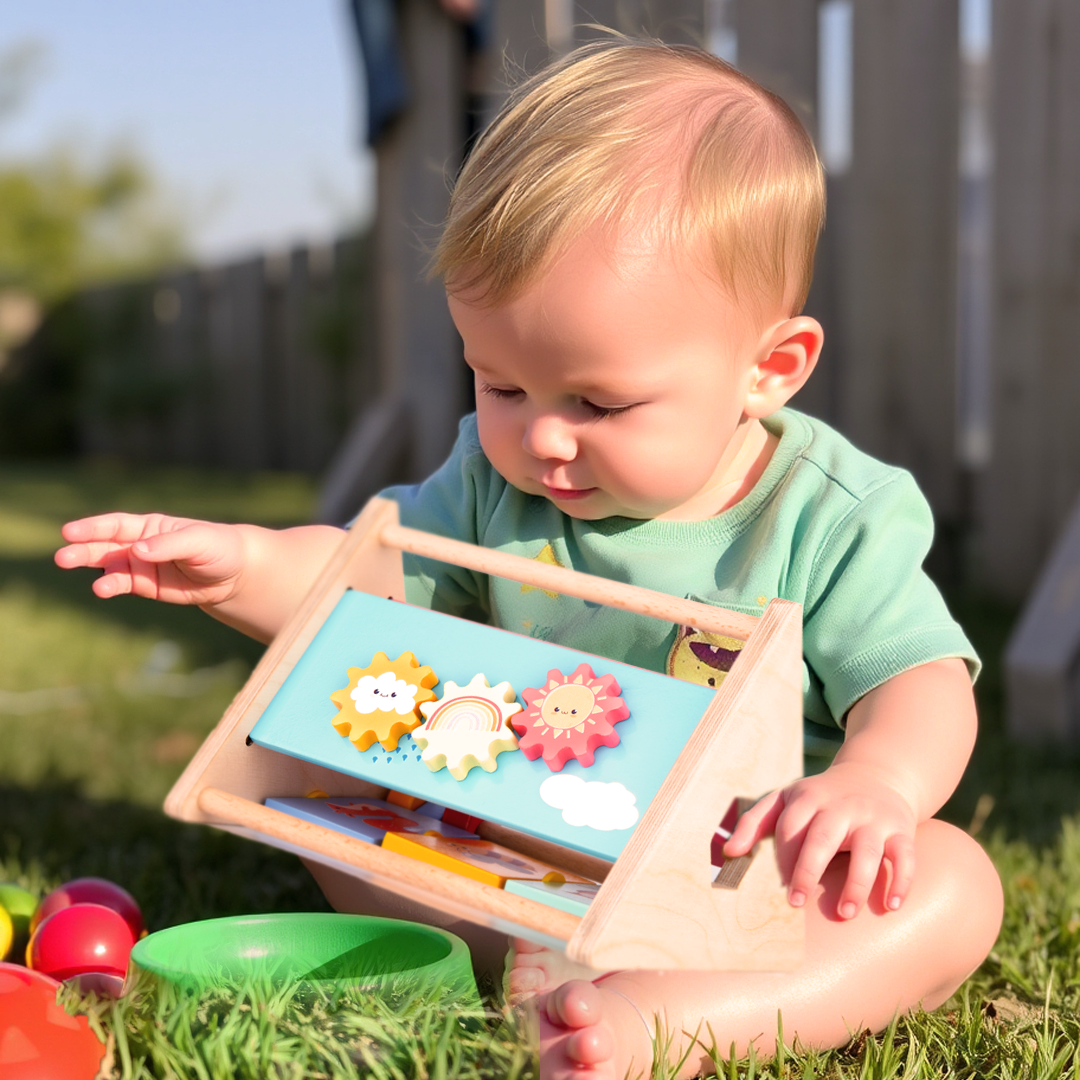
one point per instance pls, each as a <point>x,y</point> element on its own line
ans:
<point>358,951</point>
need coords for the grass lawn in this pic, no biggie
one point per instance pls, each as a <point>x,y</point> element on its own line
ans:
<point>102,704</point>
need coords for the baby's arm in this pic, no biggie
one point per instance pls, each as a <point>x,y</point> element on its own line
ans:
<point>248,577</point>
<point>907,744</point>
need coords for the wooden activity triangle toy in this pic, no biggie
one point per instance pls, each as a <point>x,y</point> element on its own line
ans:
<point>630,776</point>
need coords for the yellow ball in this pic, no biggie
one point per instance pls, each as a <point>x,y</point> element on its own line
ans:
<point>7,933</point>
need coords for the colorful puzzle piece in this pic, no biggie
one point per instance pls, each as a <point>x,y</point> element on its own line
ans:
<point>569,717</point>
<point>382,701</point>
<point>366,819</point>
<point>410,802</point>
<point>474,858</point>
<point>467,727</point>
<point>572,896</point>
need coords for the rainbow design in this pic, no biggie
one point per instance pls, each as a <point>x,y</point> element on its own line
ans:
<point>465,714</point>
<point>468,726</point>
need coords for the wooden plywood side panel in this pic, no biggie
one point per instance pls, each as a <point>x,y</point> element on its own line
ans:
<point>225,759</point>
<point>658,908</point>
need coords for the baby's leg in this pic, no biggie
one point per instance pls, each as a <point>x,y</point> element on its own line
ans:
<point>857,974</point>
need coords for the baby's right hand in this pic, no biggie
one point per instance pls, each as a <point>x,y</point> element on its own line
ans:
<point>177,560</point>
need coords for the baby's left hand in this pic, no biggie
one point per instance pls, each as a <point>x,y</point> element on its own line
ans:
<point>846,808</point>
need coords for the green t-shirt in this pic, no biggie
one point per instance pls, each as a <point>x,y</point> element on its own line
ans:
<point>825,526</point>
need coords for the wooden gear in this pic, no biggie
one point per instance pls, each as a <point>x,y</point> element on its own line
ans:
<point>658,907</point>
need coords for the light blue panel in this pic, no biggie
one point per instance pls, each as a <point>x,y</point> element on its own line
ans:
<point>298,721</point>
<point>570,896</point>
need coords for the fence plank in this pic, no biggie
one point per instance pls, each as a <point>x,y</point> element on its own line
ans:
<point>676,21</point>
<point>417,346</point>
<point>236,335</point>
<point>899,278</point>
<point>778,47</point>
<point>1034,473</point>
<point>175,352</point>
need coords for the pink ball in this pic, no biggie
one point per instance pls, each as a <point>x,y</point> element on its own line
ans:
<point>91,890</point>
<point>80,939</point>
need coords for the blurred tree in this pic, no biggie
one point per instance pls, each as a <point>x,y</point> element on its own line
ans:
<point>67,221</point>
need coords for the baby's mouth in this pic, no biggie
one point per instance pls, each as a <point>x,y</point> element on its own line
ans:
<point>558,494</point>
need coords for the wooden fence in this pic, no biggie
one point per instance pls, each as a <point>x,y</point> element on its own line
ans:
<point>949,343</point>
<point>257,364</point>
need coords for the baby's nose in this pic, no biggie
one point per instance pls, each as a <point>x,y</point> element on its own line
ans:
<point>549,437</point>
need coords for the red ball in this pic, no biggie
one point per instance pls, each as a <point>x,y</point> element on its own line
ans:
<point>79,939</point>
<point>38,1040</point>
<point>91,890</point>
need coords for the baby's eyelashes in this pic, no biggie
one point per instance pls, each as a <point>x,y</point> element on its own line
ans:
<point>499,391</point>
<point>600,411</point>
<point>594,410</point>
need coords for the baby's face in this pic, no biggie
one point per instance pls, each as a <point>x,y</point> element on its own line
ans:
<point>614,385</point>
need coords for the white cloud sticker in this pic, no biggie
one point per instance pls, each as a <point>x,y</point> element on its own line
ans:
<point>590,803</point>
<point>387,693</point>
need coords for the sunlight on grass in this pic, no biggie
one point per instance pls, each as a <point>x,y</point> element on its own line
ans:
<point>114,696</point>
<point>23,533</point>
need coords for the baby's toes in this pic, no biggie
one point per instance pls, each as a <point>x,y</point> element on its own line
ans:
<point>523,982</point>
<point>574,1004</point>
<point>590,1045</point>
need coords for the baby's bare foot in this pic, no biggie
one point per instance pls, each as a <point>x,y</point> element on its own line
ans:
<point>587,1032</point>
<point>533,969</point>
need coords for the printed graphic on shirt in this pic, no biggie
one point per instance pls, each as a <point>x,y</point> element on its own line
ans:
<point>701,657</point>
<point>545,555</point>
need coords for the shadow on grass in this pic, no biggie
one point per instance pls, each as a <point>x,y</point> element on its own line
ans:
<point>177,872</point>
<point>204,639</point>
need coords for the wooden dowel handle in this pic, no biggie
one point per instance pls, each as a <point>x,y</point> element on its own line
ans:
<point>430,884</point>
<point>558,579</point>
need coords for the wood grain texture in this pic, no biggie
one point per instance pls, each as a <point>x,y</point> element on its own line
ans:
<point>570,582</point>
<point>658,907</point>
<point>225,759</point>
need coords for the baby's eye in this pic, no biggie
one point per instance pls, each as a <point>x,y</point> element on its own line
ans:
<point>499,391</point>
<point>601,411</point>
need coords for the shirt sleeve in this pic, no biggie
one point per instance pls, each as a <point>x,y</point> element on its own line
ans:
<point>455,501</point>
<point>870,611</point>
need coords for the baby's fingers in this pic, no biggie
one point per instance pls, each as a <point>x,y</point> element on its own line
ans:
<point>900,851</point>
<point>117,528</point>
<point>91,554</point>
<point>759,821</point>
<point>823,839</point>
<point>864,866</point>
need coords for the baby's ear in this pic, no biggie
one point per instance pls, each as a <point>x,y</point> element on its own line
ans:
<point>787,354</point>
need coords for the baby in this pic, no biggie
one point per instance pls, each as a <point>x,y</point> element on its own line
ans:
<point>627,252</point>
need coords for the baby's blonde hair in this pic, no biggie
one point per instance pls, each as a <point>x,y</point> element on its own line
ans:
<point>666,140</point>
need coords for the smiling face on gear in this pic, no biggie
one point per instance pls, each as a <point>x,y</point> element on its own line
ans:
<point>568,705</point>
<point>382,701</point>
<point>569,717</point>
